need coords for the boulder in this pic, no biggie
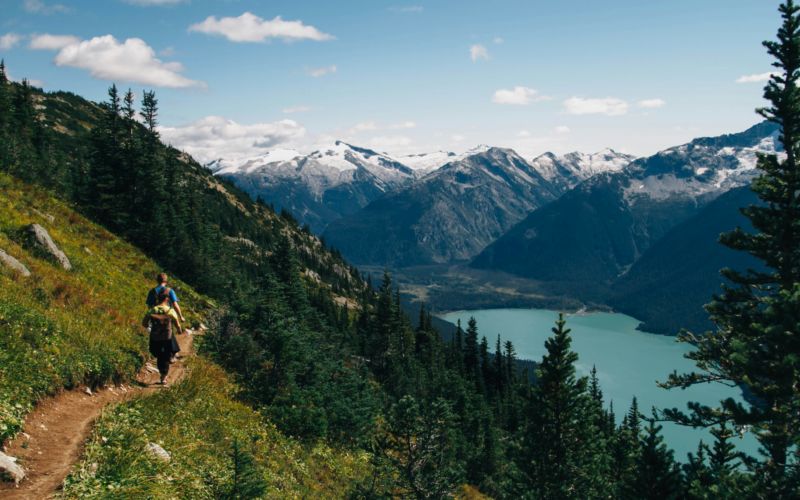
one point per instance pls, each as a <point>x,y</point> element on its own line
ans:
<point>40,238</point>
<point>8,466</point>
<point>13,264</point>
<point>158,452</point>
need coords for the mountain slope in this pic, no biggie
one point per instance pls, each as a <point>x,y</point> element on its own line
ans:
<point>668,286</point>
<point>449,215</point>
<point>596,231</point>
<point>320,187</point>
<point>567,170</point>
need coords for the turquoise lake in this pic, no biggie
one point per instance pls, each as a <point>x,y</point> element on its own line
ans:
<point>628,361</point>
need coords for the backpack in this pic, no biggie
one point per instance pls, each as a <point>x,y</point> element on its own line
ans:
<point>160,326</point>
<point>152,296</point>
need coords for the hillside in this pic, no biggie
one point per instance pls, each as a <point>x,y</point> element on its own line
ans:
<point>667,287</point>
<point>63,329</point>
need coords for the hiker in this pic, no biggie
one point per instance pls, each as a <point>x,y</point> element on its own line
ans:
<point>162,279</point>
<point>164,323</point>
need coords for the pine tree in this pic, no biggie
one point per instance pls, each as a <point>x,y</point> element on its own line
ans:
<point>471,361</point>
<point>247,481</point>
<point>557,431</point>
<point>657,475</point>
<point>757,337</point>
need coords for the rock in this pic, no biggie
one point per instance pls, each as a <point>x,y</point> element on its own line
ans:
<point>13,264</point>
<point>150,368</point>
<point>40,238</point>
<point>158,452</point>
<point>88,391</point>
<point>9,466</point>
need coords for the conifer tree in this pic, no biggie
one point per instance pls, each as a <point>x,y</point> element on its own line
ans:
<point>657,475</point>
<point>757,317</point>
<point>557,434</point>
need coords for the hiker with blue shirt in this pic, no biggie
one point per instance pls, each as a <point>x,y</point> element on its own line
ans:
<point>152,301</point>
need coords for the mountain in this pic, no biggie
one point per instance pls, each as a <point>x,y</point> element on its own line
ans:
<point>428,162</point>
<point>668,286</point>
<point>568,170</point>
<point>319,187</point>
<point>597,230</point>
<point>448,215</point>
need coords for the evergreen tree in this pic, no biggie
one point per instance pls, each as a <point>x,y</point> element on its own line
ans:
<point>757,338</point>
<point>247,481</point>
<point>557,433</point>
<point>657,475</point>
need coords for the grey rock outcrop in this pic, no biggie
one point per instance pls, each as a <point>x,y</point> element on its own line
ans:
<point>40,238</point>
<point>13,264</point>
<point>8,466</point>
<point>158,452</point>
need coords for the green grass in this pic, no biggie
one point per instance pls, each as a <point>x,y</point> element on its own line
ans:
<point>60,329</point>
<point>197,421</point>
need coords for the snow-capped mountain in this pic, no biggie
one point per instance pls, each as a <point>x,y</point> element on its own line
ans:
<point>570,169</point>
<point>606,223</point>
<point>446,216</point>
<point>321,186</point>
<point>427,162</point>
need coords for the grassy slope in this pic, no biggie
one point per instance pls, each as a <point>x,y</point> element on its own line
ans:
<point>59,329</point>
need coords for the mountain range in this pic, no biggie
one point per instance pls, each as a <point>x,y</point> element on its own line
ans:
<point>603,228</point>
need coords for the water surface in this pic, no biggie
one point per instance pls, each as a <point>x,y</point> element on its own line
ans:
<point>628,361</point>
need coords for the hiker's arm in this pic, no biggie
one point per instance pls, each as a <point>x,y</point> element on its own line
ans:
<point>178,324</point>
<point>177,308</point>
<point>146,320</point>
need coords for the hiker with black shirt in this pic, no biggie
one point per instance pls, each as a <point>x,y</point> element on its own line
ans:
<point>164,324</point>
<point>162,280</point>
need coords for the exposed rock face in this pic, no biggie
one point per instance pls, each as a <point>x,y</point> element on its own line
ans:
<point>13,264</point>
<point>158,452</point>
<point>40,238</point>
<point>9,467</point>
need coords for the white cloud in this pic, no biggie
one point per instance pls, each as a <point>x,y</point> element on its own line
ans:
<point>477,52</point>
<point>132,61</point>
<point>415,9</point>
<point>498,40</point>
<point>251,28</point>
<point>362,127</point>
<point>47,41</point>
<point>523,133</point>
<point>9,40</point>
<point>519,95</point>
<point>39,7</point>
<point>167,51</point>
<point>755,78</point>
<point>318,72</point>
<point>562,129</point>
<point>296,109</point>
<point>147,3</point>
<point>610,106</point>
<point>215,137</point>
<point>651,103</point>
<point>457,138</point>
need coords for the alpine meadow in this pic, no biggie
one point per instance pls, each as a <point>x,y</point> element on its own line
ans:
<point>369,250</point>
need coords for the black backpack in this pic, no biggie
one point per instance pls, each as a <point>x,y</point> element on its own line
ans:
<point>160,326</point>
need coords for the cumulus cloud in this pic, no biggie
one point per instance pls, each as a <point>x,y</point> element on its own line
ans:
<point>651,103</point>
<point>477,52</point>
<point>610,106</point>
<point>362,127</point>
<point>562,129</point>
<point>132,61</point>
<point>147,3</point>
<point>523,133</point>
<point>296,109</point>
<point>251,28</point>
<point>318,72</point>
<point>39,7</point>
<point>755,78</point>
<point>9,41</point>
<point>498,40</point>
<point>519,96</point>
<point>216,137</point>
<point>47,41</point>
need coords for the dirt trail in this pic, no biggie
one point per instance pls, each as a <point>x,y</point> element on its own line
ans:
<point>53,436</point>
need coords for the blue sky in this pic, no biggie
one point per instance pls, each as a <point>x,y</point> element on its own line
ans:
<point>534,75</point>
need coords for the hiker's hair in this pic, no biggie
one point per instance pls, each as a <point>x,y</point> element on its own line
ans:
<point>161,278</point>
<point>163,295</point>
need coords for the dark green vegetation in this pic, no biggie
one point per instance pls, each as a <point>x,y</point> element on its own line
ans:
<point>330,360</point>
<point>755,342</point>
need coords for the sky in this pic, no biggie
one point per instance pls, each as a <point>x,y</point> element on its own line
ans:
<point>235,78</point>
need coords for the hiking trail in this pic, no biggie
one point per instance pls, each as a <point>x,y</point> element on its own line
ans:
<point>52,439</point>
